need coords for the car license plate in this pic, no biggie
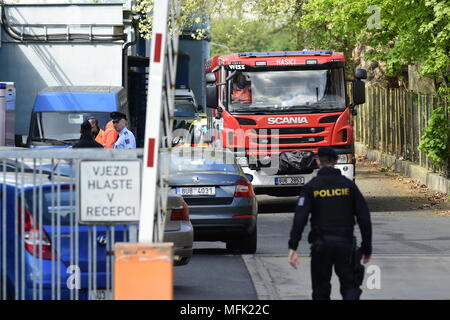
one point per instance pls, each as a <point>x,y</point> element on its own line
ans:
<point>197,191</point>
<point>101,295</point>
<point>290,180</point>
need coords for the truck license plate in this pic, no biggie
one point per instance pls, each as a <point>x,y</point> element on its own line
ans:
<point>290,181</point>
<point>197,191</point>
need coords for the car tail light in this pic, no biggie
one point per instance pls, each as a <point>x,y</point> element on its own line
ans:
<point>244,189</point>
<point>180,214</point>
<point>35,238</point>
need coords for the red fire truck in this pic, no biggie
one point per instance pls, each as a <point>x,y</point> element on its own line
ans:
<point>275,109</point>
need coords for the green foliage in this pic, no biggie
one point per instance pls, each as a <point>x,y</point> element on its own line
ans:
<point>247,35</point>
<point>408,31</point>
<point>435,141</point>
<point>192,19</point>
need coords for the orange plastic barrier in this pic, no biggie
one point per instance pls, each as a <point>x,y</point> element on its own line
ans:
<point>143,271</point>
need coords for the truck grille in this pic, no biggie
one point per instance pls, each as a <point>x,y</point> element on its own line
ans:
<point>307,130</point>
<point>288,140</point>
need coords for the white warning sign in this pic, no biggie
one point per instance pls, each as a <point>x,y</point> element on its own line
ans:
<point>109,191</point>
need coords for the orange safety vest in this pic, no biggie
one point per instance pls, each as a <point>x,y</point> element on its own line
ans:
<point>100,137</point>
<point>110,136</point>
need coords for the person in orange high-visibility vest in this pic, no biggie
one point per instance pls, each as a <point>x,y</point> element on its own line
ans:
<point>242,92</point>
<point>110,136</point>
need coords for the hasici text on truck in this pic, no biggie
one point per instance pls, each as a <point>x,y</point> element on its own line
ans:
<point>275,109</point>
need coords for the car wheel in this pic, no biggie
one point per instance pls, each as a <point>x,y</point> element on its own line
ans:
<point>248,244</point>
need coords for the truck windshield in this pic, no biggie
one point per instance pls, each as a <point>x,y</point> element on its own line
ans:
<point>294,90</point>
<point>62,126</point>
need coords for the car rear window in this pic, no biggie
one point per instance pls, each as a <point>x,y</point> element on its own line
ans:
<point>190,163</point>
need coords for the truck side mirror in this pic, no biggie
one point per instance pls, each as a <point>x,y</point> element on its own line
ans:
<point>211,96</point>
<point>210,77</point>
<point>361,74</point>
<point>359,92</point>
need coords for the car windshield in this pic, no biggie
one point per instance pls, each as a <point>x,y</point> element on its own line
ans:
<point>63,126</point>
<point>294,90</point>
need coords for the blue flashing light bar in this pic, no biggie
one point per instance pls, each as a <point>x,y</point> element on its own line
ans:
<point>285,53</point>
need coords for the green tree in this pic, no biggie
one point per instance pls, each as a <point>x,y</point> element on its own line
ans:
<point>409,31</point>
<point>435,141</point>
<point>248,35</point>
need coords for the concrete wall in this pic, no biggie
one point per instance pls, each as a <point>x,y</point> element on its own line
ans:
<point>34,66</point>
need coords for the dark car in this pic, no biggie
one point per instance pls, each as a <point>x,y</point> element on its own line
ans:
<point>222,203</point>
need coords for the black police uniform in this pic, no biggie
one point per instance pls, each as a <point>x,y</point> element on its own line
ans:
<point>334,202</point>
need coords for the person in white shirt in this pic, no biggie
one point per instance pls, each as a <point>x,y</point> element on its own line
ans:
<point>126,139</point>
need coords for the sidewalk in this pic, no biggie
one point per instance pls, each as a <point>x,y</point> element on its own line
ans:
<point>408,168</point>
<point>402,277</point>
<point>411,242</point>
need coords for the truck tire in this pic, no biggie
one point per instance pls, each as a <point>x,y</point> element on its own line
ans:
<point>248,244</point>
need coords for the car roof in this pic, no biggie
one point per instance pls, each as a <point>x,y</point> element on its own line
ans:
<point>29,180</point>
<point>203,152</point>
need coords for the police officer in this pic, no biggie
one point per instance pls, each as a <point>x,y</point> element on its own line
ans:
<point>334,203</point>
<point>126,138</point>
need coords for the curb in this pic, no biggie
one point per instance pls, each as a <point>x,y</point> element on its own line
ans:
<point>408,168</point>
<point>262,281</point>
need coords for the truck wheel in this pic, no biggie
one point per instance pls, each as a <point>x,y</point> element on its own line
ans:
<point>248,244</point>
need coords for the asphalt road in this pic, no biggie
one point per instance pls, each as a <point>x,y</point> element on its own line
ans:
<point>411,246</point>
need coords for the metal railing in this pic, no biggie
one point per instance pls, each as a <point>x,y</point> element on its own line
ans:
<point>393,121</point>
<point>45,253</point>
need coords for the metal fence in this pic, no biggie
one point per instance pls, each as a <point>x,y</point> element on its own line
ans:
<point>393,121</point>
<point>45,253</point>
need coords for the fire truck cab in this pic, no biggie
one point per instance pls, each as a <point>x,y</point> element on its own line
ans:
<point>275,109</point>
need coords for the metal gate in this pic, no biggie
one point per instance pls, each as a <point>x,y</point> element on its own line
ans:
<point>159,119</point>
<point>45,253</point>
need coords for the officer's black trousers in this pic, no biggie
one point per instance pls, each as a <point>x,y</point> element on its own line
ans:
<point>324,256</point>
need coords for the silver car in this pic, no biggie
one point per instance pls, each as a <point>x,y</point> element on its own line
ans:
<point>178,229</point>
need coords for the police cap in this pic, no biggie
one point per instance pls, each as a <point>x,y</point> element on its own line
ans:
<point>117,116</point>
<point>327,152</point>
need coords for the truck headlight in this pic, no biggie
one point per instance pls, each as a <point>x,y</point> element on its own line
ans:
<point>345,158</point>
<point>242,161</point>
